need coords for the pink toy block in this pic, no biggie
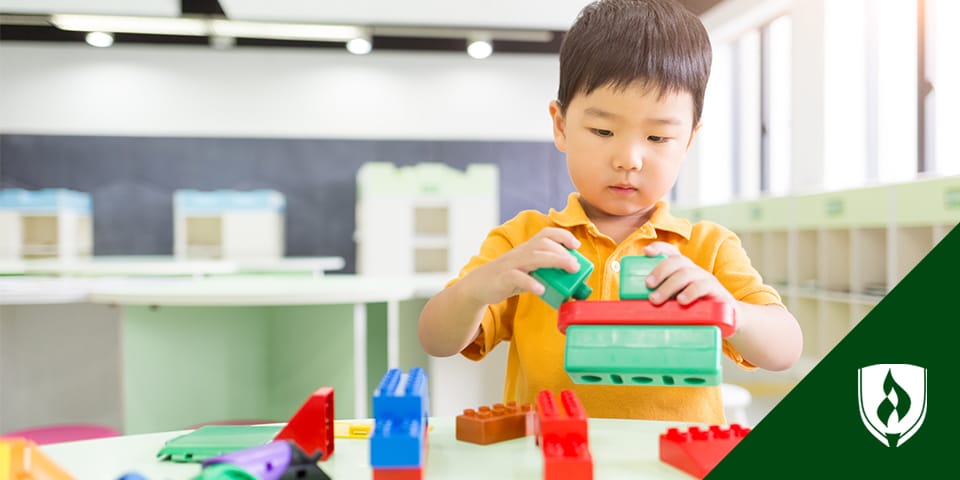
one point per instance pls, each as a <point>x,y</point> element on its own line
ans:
<point>562,434</point>
<point>706,311</point>
<point>311,427</point>
<point>698,451</point>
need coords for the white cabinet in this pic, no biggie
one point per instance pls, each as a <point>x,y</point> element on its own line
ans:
<point>48,223</point>
<point>833,256</point>
<point>228,224</point>
<point>426,218</point>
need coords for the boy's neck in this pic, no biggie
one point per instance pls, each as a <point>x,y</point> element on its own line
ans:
<point>617,227</point>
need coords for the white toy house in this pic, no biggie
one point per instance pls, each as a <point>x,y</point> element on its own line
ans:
<point>228,224</point>
<point>48,223</point>
<point>426,218</point>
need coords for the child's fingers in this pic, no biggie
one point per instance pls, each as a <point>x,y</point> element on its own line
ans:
<point>658,248</point>
<point>523,282</point>
<point>696,290</point>
<point>548,258</point>
<point>665,269</point>
<point>561,236</point>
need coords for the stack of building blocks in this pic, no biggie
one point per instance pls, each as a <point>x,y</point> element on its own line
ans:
<point>561,285</point>
<point>634,342</point>
<point>698,451</point>
<point>311,428</point>
<point>21,459</point>
<point>498,423</point>
<point>398,445</point>
<point>277,460</point>
<point>563,436</point>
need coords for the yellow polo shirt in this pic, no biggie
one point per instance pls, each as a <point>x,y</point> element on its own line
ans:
<point>535,359</point>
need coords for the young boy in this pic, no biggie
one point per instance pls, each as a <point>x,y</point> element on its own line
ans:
<point>632,80</point>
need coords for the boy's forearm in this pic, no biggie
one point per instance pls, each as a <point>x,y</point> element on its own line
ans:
<point>768,336</point>
<point>450,320</point>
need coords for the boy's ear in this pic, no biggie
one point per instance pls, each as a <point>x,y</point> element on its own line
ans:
<point>559,126</point>
<point>693,133</point>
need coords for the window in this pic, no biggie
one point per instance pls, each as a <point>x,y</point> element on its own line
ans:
<point>941,69</point>
<point>776,111</point>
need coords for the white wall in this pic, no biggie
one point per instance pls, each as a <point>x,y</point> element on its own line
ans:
<point>197,91</point>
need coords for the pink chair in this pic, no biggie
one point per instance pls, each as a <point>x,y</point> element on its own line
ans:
<point>63,433</point>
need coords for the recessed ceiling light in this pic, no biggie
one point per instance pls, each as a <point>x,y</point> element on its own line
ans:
<point>100,39</point>
<point>479,49</point>
<point>359,46</point>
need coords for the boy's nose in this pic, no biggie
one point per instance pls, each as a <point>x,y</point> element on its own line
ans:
<point>631,158</point>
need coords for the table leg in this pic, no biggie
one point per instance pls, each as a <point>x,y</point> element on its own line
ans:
<point>360,360</point>
<point>393,334</point>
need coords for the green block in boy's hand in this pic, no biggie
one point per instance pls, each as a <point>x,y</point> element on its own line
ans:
<point>633,276</point>
<point>562,285</point>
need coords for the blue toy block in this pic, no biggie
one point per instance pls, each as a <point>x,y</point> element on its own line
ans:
<point>400,411</point>
<point>400,396</point>
<point>398,443</point>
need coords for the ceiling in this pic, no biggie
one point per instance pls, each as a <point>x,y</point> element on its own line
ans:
<point>549,15</point>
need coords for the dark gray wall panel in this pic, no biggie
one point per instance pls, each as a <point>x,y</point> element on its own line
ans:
<point>132,180</point>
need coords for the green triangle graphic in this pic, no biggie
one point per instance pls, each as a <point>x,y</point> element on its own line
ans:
<point>816,430</point>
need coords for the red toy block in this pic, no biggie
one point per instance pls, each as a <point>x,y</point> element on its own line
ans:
<point>562,434</point>
<point>698,451</point>
<point>311,428</point>
<point>567,459</point>
<point>488,425</point>
<point>706,311</point>
<point>398,473</point>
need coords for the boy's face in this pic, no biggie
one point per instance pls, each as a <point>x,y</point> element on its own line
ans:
<point>624,146</point>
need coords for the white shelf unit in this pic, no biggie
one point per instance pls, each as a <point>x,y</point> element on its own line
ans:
<point>49,223</point>
<point>228,224</point>
<point>426,218</point>
<point>431,218</point>
<point>833,256</point>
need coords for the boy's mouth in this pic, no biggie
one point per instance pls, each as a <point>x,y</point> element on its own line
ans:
<point>623,189</point>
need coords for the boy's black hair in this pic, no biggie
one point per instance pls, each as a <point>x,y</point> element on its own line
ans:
<point>658,43</point>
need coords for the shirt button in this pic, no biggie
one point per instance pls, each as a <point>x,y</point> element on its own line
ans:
<point>615,266</point>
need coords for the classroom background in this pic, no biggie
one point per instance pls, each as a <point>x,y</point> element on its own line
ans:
<point>203,222</point>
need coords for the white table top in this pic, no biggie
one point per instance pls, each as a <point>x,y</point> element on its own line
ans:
<point>235,290</point>
<point>620,448</point>
<point>259,290</point>
<point>159,265</point>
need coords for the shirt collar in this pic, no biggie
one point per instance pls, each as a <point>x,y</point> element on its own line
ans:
<point>573,215</point>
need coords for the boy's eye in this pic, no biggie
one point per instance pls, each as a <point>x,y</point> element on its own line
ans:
<point>657,139</point>
<point>601,132</point>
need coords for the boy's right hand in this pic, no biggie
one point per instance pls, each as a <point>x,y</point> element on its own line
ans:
<point>509,274</point>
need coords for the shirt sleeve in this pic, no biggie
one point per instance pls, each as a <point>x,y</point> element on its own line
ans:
<point>735,272</point>
<point>497,323</point>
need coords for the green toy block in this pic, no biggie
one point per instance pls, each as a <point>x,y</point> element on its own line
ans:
<point>562,285</point>
<point>643,355</point>
<point>633,276</point>
<point>211,441</point>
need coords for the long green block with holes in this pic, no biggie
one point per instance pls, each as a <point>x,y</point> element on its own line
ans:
<point>633,276</point>
<point>561,285</point>
<point>643,355</point>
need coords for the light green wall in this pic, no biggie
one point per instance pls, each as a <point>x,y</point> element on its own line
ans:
<point>188,365</point>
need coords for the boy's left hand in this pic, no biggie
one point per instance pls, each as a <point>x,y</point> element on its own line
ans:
<point>678,277</point>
